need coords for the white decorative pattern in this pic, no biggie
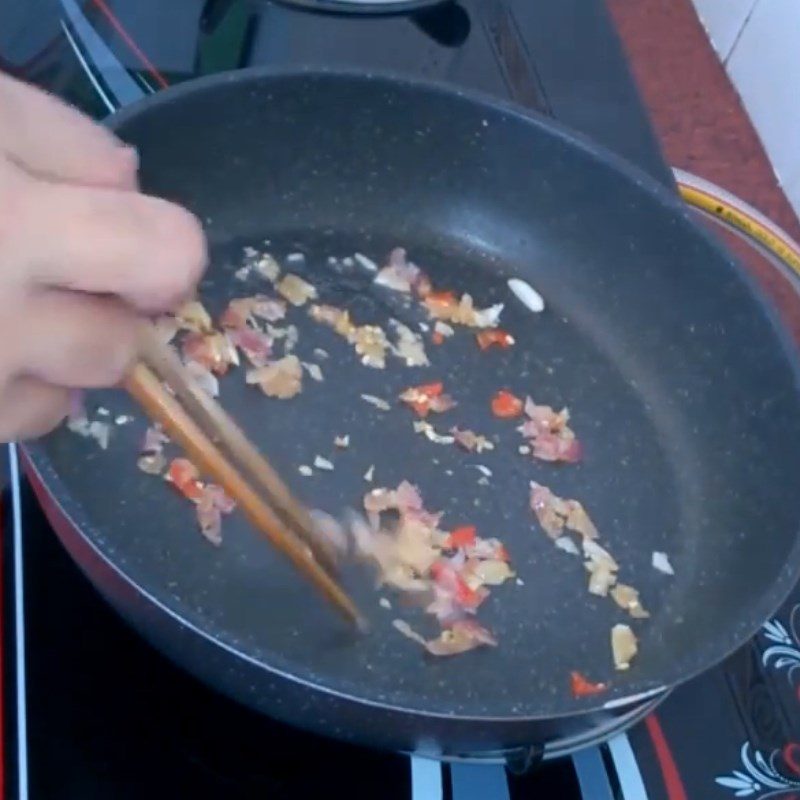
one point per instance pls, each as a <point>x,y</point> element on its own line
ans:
<point>784,653</point>
<point>761,779</point>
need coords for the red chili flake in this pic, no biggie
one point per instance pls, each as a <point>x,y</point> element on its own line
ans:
<point>463,536</point>
<point>437,337</point>
<point>420,397</point>
<point>441,298</point>
<point>185,477</point>
<point>494,337</point>
<point>506,405</point>
<point>466,597</point>
<point>582,687</point>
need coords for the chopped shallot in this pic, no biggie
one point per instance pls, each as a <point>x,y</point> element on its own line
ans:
<point>463,635</point>
<point>282,379</point>
<point>414,555</point>
<point>192,316</point>
<point>297,291</point>
<point>400,274</point>
<point>445,306</point>
<point>426,398</point>
<point>214,351</point>
<point>370,341</point>
<point>627,598</point>
<point>661,563</point>
<point>555,514</point>
<point>549,434</point>
<point>342,442</point>
<point>410,347</point>
<point>211,505</point>
<point>256,346</point>
<point>624,646</point>
<point>470,441</point>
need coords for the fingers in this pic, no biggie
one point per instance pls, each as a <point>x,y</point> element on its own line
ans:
<point>51,140</point>
<point>30,408</point>
<point>149,252</point>
<point>76,340</point>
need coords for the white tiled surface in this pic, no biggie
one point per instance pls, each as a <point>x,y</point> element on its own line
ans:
<point>765,68</point>
<point>723,20</point>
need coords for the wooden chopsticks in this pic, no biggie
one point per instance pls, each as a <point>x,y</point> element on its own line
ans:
<point>219,449</point>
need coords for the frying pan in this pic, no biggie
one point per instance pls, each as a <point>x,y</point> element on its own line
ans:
<point>681,383</point>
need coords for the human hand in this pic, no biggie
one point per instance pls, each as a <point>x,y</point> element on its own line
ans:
<point>83,257</point>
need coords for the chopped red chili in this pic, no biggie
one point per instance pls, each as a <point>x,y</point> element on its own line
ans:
<point>506,405</point>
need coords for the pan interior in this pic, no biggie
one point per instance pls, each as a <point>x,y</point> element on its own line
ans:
<point>678,383</point>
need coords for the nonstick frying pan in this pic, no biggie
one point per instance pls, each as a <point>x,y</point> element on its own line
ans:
<point>680,381</point>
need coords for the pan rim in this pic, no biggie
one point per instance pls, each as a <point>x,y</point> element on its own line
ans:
<point>769,601</point>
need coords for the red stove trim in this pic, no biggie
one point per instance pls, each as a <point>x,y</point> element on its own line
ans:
<point>669,769</point>
<point>126,37</point>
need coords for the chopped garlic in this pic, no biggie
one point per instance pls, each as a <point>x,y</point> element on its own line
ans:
<point>661,563</point>
<point>623,646</point>
<point>322,463</point>
<point>380,404</point>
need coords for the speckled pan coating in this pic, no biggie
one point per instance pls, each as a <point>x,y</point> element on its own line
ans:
<point>681,387</point>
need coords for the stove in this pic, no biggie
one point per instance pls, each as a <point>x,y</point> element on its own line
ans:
<point>91,711</point>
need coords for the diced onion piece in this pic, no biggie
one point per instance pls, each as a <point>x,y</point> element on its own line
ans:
<point>305,470</point>
<point>661,563</point>
<point>624,646</point>
<point>370,474</point>
<point>342,442</point>
<point>462,636</point>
